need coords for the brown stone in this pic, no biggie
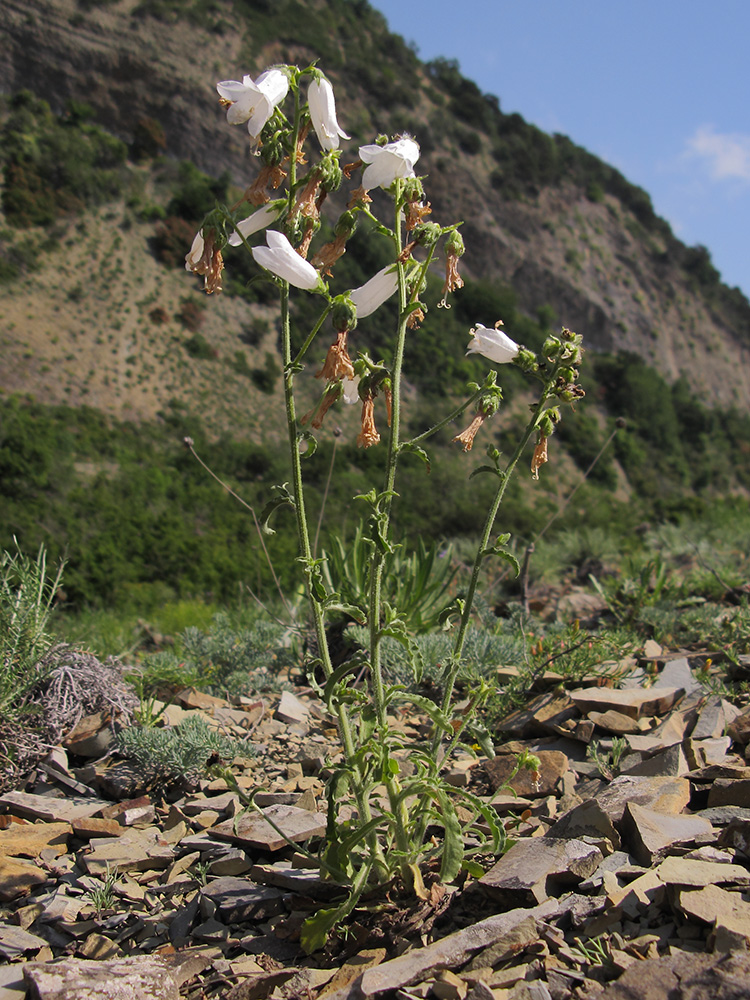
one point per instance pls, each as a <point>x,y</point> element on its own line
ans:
<point>541,716</point>
<point>536,868</point>
<point>685,871</point>
<point>18,877</point>
<point>134,850</point>
<point>684,976</point>
<point>662,794</point>
<point>449,952</point>
<point>553,766</point>
<point>647,832</point>
<point>89,827</point>
<point>634,702</point>
<point>143,977</point>
<point>670,761</point>
<point>739,728</point>
<point>49,809</point>
<point>252,829</point>
<point>585,820</point>
<point>615,722</point>
<point>729,792</point>
<point>238,899</point>
<point>29,841</point>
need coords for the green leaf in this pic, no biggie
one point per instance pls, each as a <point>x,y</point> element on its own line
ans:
<point>315,929</point>
<point>415,449</point>
<point>472,867</point>
<point>425,705</point>
<point>453,841</point>
<point>283,499</point>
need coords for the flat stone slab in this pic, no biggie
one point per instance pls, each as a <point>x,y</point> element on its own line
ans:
<point>712,903</point>
<point>634,702</point>
<point>14,941</point>
<point>615,722</point>
<point>448,953</point>
<point>553,766</point>
<point>647,832</point>
<point>290,709</point>
<point>50,809</point>
<point>29,840</point>
<point>585,820</point>
<point>253,830</point>
<point>142,977</point>
<point>730,792</point>
<point>685,871</point>
<point>239,899</point>
<point>678,674</point>
<point>685,975</point>
<point>662,794</point>
<point>135,850</point>
<point>18,877</point>
<point>715,718</point>
<point>536,868</point>
<point>670,761</point>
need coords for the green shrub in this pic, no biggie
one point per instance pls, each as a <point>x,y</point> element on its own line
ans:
<point>178,755</point>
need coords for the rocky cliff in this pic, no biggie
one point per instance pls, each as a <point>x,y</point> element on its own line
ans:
<point>603,263</point>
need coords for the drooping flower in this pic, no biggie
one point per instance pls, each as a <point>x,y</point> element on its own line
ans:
<point>282,259</point>
<point>387,163</point>
<point>269,174</point>
<point>368,297</point>
<point>253,101</point>
<point>255,222</point>
<point>368,435</point>
<point>492,344</point>
<point>466,438</point>
<point>540,455</point>
<point>331,393</point>
<point>204,258</point>
<point>337,364</point>
<point>323,114</point>
<point>454,248</point>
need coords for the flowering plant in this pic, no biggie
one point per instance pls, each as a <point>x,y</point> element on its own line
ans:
<point>388,829</point>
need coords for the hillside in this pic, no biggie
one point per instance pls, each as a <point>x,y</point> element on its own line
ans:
<point>112,354</point>
<point>558,226</point>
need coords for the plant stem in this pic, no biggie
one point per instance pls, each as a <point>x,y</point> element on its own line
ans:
<point>484,543</point>
<point>446,420</point>
<point>392,785</point>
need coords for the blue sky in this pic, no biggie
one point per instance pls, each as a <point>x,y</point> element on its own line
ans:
<point>658,88</point>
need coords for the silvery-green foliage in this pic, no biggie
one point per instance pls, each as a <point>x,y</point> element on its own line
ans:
<point>181,752</point>
<point>238,659</point>
<point>427,656</point>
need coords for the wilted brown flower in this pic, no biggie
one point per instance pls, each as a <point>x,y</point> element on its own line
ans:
<point>540,455</point>
<point>358,197</point>
<point>368,436</point>
<point>337,364</point>
<point>329,397</point>
<point>415,213</point>
<point>268,177</point>
<point>204,258</point>
<point>415,320</point>
<point>453,279</point>
<point>466,438</point>
<point>328,254</point>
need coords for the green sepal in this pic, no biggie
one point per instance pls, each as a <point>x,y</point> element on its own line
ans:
<point>484,468</point>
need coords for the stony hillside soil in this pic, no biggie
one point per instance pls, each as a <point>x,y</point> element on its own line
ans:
<point>621,880</point>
